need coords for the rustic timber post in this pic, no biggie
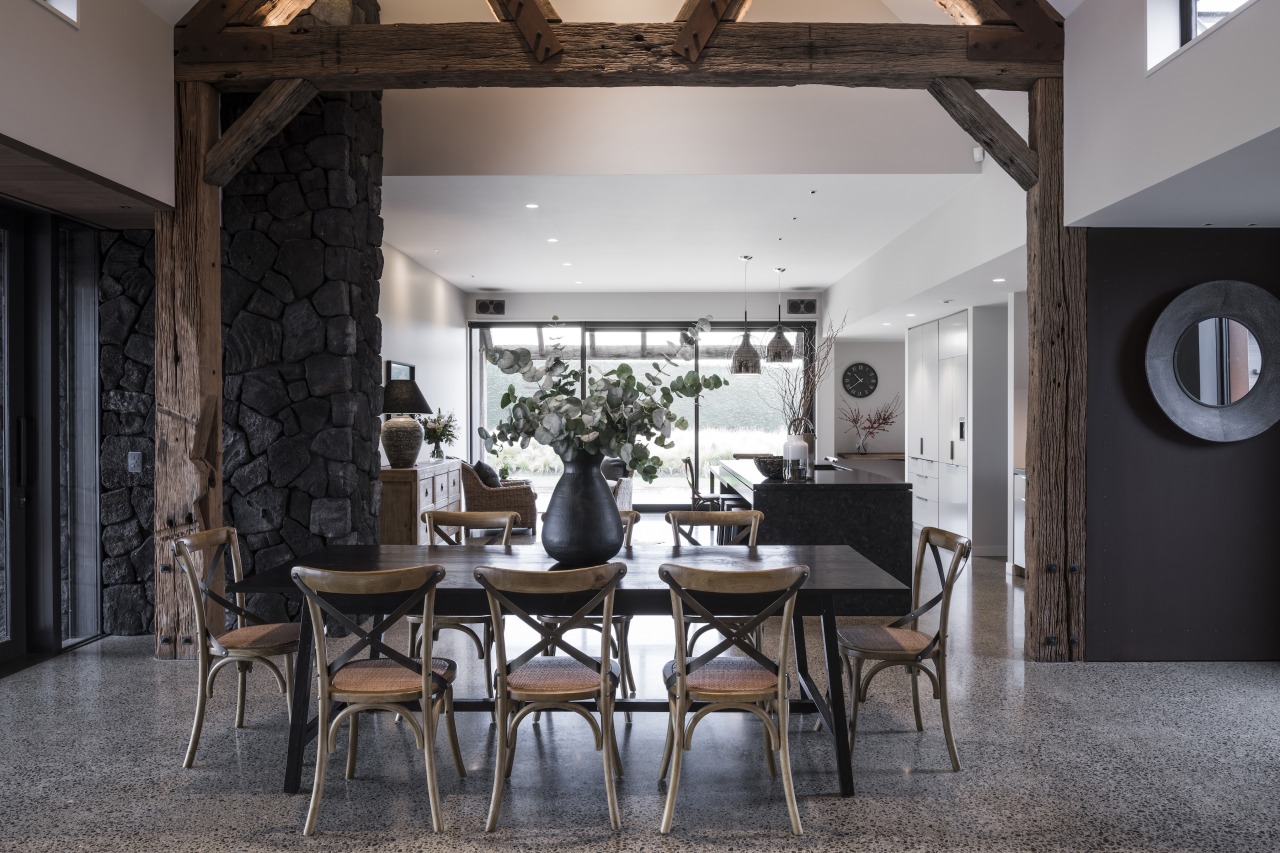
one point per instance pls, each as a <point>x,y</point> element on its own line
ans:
<point>188,371</point>
<point>1056,399</point>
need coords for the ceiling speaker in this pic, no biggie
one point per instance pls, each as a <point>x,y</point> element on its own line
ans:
<point>802,306</point>
<point>491,306</point>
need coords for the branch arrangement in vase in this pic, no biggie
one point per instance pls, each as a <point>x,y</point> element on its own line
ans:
<point>868,426</point>
<point>795,388</point>
<point>618,413</point>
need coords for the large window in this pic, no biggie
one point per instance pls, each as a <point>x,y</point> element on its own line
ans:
<point>745,417</point>
<point>1199,15</point>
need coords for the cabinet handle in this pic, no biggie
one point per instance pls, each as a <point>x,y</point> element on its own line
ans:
<point>922,446</point>
<point>953,450</point>
<point>926,500</point>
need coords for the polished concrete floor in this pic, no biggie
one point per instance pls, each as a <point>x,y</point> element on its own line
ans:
<point>1117,757</point>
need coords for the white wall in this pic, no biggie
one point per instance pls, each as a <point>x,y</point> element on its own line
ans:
<point>639,307</point>
<point>424,324</point>
<point>890,363</point>
<point>1128,130</point>
<point>99,97</point>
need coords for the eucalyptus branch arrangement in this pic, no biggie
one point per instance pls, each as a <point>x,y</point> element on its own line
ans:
<point>618,413</point>
<point>796,387</point>
<point>868,426</point>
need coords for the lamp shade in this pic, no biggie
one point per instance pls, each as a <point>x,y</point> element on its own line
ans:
<point>403,397</point>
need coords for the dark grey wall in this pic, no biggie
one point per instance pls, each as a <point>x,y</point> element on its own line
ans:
<point>301,334</point>
<point>1181,554</point>
<point>126,356</point>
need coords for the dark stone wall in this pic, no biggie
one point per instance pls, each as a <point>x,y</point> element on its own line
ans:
<point>126,358</point>
<point>302,339</point>
<point>1180,552</point>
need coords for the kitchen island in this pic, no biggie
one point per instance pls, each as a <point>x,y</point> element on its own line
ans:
<point>870,512</point>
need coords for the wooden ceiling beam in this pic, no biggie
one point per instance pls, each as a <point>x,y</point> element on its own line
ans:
<point>417,56</point>
<point>1037,33</point>
<point>532,19</point>
<point>269,13</point>
<point>980,120</point>
<point>701,20</point>
<point>266,117</point>
<point>734,10</point>
<point>198,28</point>
<point>973,13</point>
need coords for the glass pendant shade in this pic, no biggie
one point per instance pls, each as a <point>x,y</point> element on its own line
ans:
<point>746,358</point>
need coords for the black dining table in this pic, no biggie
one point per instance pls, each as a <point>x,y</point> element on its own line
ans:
<point>842,582</point>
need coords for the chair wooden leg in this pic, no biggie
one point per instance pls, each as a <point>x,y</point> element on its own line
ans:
<point>855,692</point>
<point>322,762</point>
<point>202,693</point>
<point>453,734</point>
<point>768,750</point>
<point>784,758</point>
<point>673,784</point>
<point>946,713</point>
<point>609,747</point>
<point>413,651</point>
<point>242,679</point>
<point>288,684</point>
<point>499,766</point>
<point>429,750</point>
<point>353,745</point>
<point>915,697</point>
<point>671,734</point>
<point>512,734</point>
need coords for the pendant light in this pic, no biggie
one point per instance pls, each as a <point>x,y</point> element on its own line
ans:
<point>779,350</point>
<point>746,358</point>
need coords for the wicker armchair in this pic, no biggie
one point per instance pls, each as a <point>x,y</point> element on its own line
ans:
<point>519,498</point>
<point>622,491</point>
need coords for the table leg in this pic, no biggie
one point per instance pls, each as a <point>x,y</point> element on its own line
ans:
<point>300,723</point>
<point>835,696</point>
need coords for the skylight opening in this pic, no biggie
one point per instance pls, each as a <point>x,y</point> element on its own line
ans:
<point>68,10</point>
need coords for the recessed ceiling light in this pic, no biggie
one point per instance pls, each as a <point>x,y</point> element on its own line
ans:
<point>567,264</point>
<point>552,240</point>
<point>911,315</point>
<point>886,324</point>
<point>532,206</point>
<point>577,282</point>
<point>999,280</point>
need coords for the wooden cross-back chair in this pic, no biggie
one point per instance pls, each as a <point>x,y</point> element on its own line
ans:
<point>752,682</point>
<point>253,640</point>
<point>393,682</point>
<point>698,501</point>
<point>499,524</point>
<point>530,682</point>
<point>901,643</point>
<point>733,527</point>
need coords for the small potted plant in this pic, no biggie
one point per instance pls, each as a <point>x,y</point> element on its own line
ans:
<point>440,428</point>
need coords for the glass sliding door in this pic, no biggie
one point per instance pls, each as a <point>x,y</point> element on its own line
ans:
<point>12,443</point>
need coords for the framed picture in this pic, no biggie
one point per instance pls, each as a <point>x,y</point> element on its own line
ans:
<point>400,370</point>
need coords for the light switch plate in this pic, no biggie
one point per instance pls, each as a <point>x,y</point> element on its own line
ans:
<point>135,462</point>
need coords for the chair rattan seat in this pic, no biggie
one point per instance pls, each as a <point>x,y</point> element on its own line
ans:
<point>556,675</point>
<point>727,675</point>
<point>382,675</point>
<point>260,638</point>
<point>873,638</point>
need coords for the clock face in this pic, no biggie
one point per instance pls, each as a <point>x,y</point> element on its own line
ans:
<point>860,380</point>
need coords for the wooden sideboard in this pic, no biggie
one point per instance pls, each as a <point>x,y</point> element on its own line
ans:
<point>409,492</point>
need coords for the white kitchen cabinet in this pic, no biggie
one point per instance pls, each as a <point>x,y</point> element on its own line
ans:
<point>953,407</point>
<point>923,476</point>
<point>953,498</point>
<point>922,395</point>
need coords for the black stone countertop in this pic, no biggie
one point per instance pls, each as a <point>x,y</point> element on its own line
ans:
<point>742,473</point>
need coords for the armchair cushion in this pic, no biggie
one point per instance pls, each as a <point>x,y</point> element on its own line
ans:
<point>487,475</point>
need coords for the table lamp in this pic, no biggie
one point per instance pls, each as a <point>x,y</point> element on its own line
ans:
<point>402,434</point>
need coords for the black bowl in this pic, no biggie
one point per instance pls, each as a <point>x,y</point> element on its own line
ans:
<point>770,466</point>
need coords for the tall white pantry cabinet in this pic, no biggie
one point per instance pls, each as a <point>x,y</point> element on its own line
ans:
<point>957,429</point>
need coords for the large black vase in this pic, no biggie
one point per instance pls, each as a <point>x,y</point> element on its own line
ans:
<point>582,526</point>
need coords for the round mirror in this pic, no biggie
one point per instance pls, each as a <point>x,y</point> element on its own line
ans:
<point>1218,361</point>
<point>1204,360</point>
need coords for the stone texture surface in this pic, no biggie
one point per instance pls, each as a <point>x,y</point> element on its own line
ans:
<point>126,355</point>
<point>301,331</point>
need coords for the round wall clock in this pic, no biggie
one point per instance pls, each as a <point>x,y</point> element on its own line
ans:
<point>860,380</point>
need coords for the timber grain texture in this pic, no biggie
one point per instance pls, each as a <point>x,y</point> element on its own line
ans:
<point>1056,426</point>
<point>188,371</point>
<point>980,120</point>
<point>414,56</point>
<point>266,117</point>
